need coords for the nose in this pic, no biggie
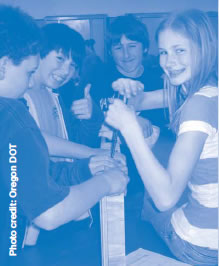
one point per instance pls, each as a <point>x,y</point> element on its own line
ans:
<point>125,51</point>
<point>170,60</point>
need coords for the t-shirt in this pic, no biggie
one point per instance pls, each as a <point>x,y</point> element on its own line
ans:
<point>23,155</point>
<point>54,118</point>
<point>197,220</point>
<point>152,80</point>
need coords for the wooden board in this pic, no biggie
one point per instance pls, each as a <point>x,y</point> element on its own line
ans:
<point>112,220</point>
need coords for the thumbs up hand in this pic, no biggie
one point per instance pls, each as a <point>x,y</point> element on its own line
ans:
<point>82,109</point>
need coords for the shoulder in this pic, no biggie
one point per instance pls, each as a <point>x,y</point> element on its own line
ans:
<point>36,94</point>
<point>201,111</point>
<point>14,116</point>
<point>13,109</point>
<point>208,91</point>
<point>202,105</point>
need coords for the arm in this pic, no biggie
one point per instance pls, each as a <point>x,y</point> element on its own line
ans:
<point>57,204</point>
<point>81,198</point>
<point>148,100</point>
<point>64,148</point>
<point>133,90</point>
<point>85,130</point>
<point>164,185</point>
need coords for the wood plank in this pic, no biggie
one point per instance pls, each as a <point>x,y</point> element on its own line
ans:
<point>112,220</point>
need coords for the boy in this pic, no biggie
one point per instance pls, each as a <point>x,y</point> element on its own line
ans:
<point>24,161</point>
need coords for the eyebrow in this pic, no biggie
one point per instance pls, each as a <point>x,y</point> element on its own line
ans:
<point>174,46</point>
<point>131,42</point>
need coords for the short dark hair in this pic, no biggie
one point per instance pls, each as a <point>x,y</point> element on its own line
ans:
<point>19,34</point>
<point>58,36</point>
<point>129,26</point>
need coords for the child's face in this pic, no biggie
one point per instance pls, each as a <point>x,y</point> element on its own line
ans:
<point>175,56</point>
<point>128,56</point>
<point>55,70</point>
<point>17,77</point>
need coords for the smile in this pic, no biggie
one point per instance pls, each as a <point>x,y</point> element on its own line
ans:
<point>128,61</point>
<point>175,73</point>
<point>58,78</point>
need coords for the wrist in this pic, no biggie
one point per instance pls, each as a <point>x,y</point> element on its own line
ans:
<point>103,184</point>
<point>130,129</point>
<point>93,152</point>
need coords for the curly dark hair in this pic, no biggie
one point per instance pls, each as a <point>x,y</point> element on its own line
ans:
<point>20,36</point>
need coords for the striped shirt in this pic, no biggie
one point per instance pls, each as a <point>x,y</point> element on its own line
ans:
<point>197,221</point>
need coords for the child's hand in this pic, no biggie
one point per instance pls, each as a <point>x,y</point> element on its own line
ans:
<point>127,87</point>
<point>117,181</point>
<point>121,162</point>
<point>120,116</point>
<point>101,163</point>
<point>82,109</point>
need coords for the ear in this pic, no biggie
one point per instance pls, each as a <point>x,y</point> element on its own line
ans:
<point>3,62</point>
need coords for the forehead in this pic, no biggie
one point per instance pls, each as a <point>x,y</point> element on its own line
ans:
<point>124,40</point>
<point>60,52</point>
<point>169,38</point>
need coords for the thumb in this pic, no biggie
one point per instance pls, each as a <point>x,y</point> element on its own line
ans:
<point>87,91</point>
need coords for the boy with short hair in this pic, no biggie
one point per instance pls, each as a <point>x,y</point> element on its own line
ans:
<point>26,184</point>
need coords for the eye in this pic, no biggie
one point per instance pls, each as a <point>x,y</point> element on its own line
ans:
<point>117,47</point>
<point>132,45</point>
<point>180,51</point>
<point>162,52</point>
<point>60,58</point>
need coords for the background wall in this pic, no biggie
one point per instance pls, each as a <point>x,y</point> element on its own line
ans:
<point>42,8</point>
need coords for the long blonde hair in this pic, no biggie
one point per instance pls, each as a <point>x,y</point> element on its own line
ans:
<point>196,26</point>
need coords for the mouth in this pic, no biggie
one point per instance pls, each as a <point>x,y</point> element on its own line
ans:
<point>58,78</point>
<point>128,61</point>
<point>175,73</point>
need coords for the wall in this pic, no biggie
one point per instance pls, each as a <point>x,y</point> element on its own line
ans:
<point>42,8</point>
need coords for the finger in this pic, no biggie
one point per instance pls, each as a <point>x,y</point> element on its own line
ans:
<point>104,164</point>
<point>120,157</point>
<point>103,160</point>
<point>102,157</point>
<point>79,102</point>
<point>95,170</point>
<point>81,110</point>
<point>85,116</point>
<point>120,86</point>
<point>87,91</point>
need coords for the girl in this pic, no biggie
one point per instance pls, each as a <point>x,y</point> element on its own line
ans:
<point>188,56</point>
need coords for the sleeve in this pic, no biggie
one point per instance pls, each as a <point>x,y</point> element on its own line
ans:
<point>199,114</point>
<point>68,174</point>
<point>36,191</point>
<point>86,131</point>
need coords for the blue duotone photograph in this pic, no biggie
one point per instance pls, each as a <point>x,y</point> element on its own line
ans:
<point>108,133</point>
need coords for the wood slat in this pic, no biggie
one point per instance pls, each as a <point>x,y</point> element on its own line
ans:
<point>112,220</point>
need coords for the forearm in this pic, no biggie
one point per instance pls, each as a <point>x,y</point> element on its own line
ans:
<point>155,178</point>
<point>64,148</point>
<point>86,130</point>
<point>81,198</point>
<point>148,100</point>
